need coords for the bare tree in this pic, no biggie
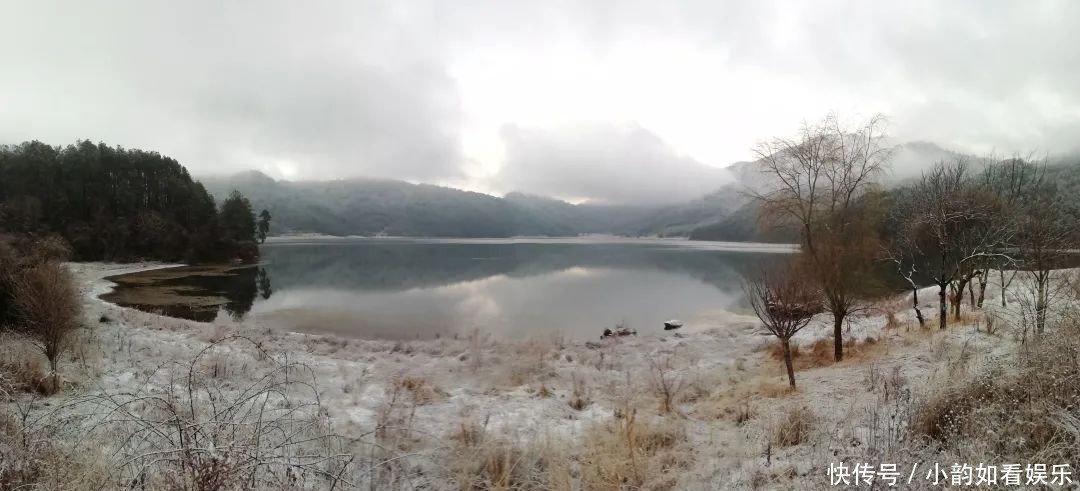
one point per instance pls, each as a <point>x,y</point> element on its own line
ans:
<point>901,246</point>
<point>47,308</point>
<point>1046,231</point>
<point>956,226</point>
<point>1013,181</point>
<point>817,180</point>
<point>785,301</point>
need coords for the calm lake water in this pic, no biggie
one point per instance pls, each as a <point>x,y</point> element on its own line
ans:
<point>421,288</point>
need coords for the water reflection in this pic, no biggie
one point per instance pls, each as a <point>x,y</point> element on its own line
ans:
<point>198,293</point>
<point>418,288</point>
<point>263,282</point>
<point>240,292</point>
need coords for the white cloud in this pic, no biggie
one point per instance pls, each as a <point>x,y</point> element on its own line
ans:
<point>606,163</point>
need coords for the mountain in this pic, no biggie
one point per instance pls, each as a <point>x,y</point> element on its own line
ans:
<point>743,225</point>
<point>387,207</point>
<point>383,207</point>
<point>679,220</point>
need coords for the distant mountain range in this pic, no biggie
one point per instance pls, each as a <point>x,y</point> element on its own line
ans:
<point>371,207</point>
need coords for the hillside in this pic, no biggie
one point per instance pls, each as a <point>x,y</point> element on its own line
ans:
<point>114,203</point>
<point>382,207</point>
<point>371,207</point>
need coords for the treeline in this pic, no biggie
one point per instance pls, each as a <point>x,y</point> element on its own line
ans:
<point>112,203</point>
<point>961,225</point>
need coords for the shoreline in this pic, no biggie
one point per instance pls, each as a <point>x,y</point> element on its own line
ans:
<point>583,239</point>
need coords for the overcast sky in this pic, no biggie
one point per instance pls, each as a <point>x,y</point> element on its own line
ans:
<point>586,99</point>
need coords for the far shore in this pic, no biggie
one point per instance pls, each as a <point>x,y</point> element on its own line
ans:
<point>581,239</point>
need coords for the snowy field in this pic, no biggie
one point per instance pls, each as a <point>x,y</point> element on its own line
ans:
<point>720,395</point>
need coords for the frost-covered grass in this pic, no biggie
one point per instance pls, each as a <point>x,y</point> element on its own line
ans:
<point>705,410</point>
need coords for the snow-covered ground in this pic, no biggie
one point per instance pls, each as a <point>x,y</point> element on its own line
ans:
<point>730,393</point>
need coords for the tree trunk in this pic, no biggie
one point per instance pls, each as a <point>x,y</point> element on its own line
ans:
<point>785,342</point>
<point>959,298</point>
<point>1002,273</point>
<point>915,304</point>
<point>1041,302</point>
<point>971,294</point>
<point>838,336</point>
<point>943,313</point>
<point>983,280</point>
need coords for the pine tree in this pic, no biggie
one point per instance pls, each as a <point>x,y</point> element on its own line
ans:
<point>263,225</point>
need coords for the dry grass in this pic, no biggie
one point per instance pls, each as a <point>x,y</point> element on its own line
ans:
<point>820,352</point>
<point>744,412</point>
<point>29,459</point>
<point>967,318</point>
<point>480,460</point>
<point>632,454</point>
<point>420,390</point>
<point>531,361</point>
<point>581,396</point>
<point>505,464</point>
<point>196,433</point>
<point>889,383</point>
<point>22,367</point>
<point>667,382</point>
<point>478,342</point>
<point>795,426</point>
<point>1028,412</point>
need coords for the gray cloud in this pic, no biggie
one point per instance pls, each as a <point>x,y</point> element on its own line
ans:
<point>606,163</point>
<point>334,118</point>
<point>376,87</point>
<point>315,93</point>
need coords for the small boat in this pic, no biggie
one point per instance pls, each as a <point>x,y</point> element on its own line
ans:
<point>672,324</point>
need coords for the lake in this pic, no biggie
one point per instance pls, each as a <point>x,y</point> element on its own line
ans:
<point>422,288</point>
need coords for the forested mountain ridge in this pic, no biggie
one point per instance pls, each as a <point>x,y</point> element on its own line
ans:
<point>383,207</point>
<point>112,203</point>
<point>371,207</point>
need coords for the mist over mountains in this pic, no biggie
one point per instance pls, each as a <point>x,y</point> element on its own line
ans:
<point>371,207</point>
